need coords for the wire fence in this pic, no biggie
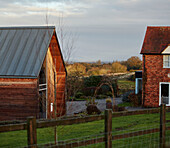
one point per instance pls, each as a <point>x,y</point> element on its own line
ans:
<point>128,129</point>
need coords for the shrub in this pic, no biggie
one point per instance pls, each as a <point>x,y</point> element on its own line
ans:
<point>136,99</point>
<point>101,96</point>
<point>78,94</point>
<point>108,100</point>
<point>117,108</point>
<point>109,93</point>
<point>92,109</point>
<point>125,96</point>
<point>84,97</point>
<point>133,98</point>
<point>132,78</point>
<point>92,81</point>
<point>89,91</point>
<point>90,101</point>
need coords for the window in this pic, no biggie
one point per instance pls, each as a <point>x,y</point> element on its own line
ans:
<point>166,61</point>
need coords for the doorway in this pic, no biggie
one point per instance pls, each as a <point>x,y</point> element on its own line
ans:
<point>164,93</point>
<point>42,94</point>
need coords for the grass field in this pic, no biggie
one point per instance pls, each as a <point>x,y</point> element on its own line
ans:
<point>120,125</point>
<point>126,84</point>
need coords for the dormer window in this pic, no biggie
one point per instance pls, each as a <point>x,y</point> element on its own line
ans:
<point>166,57</point>
<point>166,61</point>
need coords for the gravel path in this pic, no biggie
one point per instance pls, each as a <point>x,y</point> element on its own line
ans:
<point>78,106</point>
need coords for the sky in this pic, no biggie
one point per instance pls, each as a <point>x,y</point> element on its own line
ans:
<point>106,30</point>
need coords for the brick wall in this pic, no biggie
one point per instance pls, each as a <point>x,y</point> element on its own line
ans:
<point>155,73</point>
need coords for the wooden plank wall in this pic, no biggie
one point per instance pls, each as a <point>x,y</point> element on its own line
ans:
<point>18,98</point>
<point>61,103</point>
<point>56,65</point>
<point>50,84</point>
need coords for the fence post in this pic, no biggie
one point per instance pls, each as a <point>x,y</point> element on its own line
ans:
<point>108,128</point>
<point>31,132</point>
<point>162,125</point>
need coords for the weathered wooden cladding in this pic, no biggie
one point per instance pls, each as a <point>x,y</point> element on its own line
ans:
<point>56,53</point>
<point>56,67</point>
<point>18,99</point>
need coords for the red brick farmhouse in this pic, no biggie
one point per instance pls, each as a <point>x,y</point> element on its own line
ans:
<point>32,73</point>
<point>156,66</point>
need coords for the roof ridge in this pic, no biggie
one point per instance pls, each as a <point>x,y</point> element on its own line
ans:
<point>28,27</point>
<point>158,26</point>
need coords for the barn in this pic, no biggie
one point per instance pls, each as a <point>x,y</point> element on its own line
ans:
<point>32,73</point>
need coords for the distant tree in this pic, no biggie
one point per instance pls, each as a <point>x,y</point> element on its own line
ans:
<point>117,67</point>
<point>92,81</point>
<point>87,65</point>
<point>103,71</point>
<point>98,63</point>
<point>134,62</point>
<point>76,69</point>
<point>93,71</point>
<point>123,63</point>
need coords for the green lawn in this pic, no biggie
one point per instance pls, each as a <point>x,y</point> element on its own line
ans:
<point>126,84</point>
<point>95,129</point>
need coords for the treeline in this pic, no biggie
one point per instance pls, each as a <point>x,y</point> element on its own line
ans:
<point>99,68</point>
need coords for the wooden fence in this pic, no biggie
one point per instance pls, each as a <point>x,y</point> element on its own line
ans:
<point>32,125</point>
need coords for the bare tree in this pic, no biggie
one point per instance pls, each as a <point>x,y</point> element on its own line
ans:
<point>67,39</point>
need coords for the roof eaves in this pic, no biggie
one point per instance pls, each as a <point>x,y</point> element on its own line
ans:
<point>151,53</point>
<point>19,77</point>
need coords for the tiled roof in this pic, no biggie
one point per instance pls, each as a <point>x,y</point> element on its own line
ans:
<point>156,39</point>
<point>23,49</point>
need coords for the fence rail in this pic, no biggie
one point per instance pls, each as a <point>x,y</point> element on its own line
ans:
<point>62,144</point>
<point>77,120</point>
<point>32,124</point>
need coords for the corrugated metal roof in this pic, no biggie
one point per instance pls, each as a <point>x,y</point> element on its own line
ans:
<point>23,49</point>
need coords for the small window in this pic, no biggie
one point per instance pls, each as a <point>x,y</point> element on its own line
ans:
<point>166,61</point>
<point>51,107</point>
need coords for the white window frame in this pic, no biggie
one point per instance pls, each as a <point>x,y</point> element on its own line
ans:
<point>164,66</point>
<point>160,92</point>
<point>136,85</point>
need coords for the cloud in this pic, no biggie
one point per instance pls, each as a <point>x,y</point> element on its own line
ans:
<point>111,12</point>
<point>106,28</point>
